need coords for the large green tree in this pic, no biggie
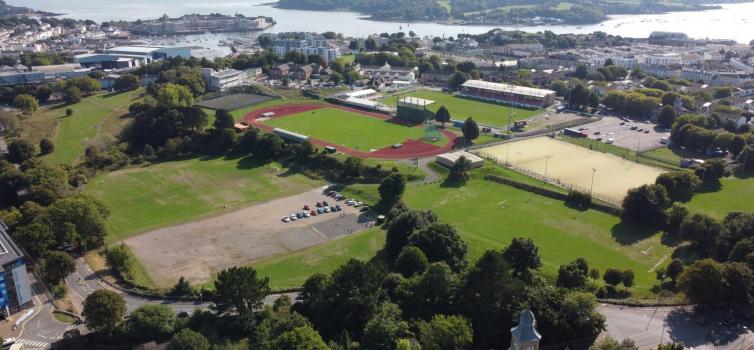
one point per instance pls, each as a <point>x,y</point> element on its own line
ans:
<point>21,150</point>
<point>446,333</point>
<point>442,115</point>
<point>403,226</point>
<point>103,310</point>
<point>240,290</point>
<point>26,103</point>
<point>150,322</point>
<point>470,130</point>
<point>523,255</point>
<point>57,266</point>
<point>391,189</point>
<point>646,204</point>
<point>488,298</point>
<point>441,242</point>
<point>385,328</point>
<point>187,339</point>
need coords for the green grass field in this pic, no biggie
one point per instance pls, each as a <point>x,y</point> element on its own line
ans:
<point>488,215</point>
<point>95,119</point>
<point>484,113</point>
<point>291,270</point>
<point>344,128</point>
<point>169,193</point>
<point>734,195</point>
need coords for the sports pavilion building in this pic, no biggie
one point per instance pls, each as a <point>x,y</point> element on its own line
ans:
<point>509,94</point>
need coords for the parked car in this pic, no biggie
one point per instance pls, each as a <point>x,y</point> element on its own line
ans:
<point>286,219</point>
<point>306,207</point>
<point>320,210</point>
<point>313,212</point>
<point>326,209</point>
<point>319,204</point>
<point>338,208</point>
<point>325,204</point>
<point>306,214</point>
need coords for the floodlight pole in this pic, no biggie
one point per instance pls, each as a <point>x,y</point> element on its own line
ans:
<point>591,187</point>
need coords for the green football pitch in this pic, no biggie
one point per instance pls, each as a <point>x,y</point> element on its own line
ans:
<point>352,130</point>
<point>460,108</point>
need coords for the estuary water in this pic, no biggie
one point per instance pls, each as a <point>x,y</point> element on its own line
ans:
<point>733,21</point>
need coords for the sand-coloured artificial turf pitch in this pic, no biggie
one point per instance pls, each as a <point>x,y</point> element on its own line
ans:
<point>572,166</point>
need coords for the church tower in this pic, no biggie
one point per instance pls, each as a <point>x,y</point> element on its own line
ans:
<point>525,335</point>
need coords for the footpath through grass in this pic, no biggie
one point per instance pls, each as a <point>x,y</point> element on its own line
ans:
<point>174,192</point>
<point>359,132</point>
<point>95,118</point>
<point>460,108</point>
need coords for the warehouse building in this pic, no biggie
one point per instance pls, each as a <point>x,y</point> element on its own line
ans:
<point>520,96</point>
<point>15,289</point>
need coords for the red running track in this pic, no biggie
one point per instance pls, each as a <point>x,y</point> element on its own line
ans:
<point>410,149</point>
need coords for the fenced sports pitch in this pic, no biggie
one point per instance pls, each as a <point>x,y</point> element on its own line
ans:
<point>573,167</point>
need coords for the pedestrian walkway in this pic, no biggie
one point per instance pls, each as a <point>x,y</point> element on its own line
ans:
<point>33,344</point>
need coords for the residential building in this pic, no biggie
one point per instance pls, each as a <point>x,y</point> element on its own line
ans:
<point>15,288</point>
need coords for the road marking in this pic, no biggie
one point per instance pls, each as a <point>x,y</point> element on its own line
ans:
<point>34,344</point>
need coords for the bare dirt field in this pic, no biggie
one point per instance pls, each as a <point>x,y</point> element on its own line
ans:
<point>198,250</point>
<point>572,166</point>
<point>610,128</point>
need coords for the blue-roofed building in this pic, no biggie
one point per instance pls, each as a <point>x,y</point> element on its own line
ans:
<point>525,335</point>
<point>15,288</point>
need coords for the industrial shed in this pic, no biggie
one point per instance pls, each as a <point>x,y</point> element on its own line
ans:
<point>450,159</point>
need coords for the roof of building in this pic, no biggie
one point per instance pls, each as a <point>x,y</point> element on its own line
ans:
<point>526,331</point>
<point>57,67</point>
<point>416,101</point>
<point>9,251</point>
<point>513,89</point>
<point>226,73</point>
<point>454,156</point>
<point>359,93</point>
<point>135,49</point>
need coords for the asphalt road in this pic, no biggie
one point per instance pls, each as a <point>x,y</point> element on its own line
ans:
<point>647,326</point>
<point>42,329</point>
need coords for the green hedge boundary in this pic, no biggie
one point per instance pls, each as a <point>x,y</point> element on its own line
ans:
<point>603,207</point>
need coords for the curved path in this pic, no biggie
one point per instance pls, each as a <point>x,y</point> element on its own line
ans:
<point>647,326</point>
